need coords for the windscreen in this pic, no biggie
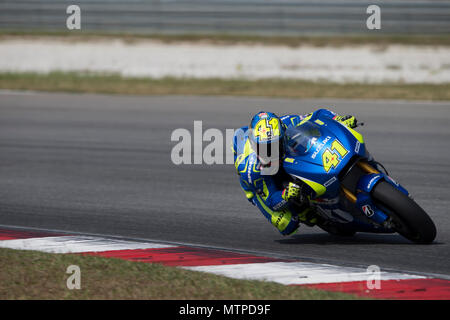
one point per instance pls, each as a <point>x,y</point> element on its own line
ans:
<point>302,138</point>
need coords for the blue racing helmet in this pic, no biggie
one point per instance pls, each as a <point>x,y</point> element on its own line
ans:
<point>266,133</point>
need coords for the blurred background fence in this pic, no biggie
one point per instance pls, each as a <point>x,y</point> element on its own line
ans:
<point>250,17</point>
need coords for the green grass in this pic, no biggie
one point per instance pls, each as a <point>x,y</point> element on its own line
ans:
<point>37,275</point>
<point>229,39</point>
<point>115,84</point>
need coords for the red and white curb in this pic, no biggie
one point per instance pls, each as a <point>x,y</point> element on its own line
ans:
<point>235,265</point>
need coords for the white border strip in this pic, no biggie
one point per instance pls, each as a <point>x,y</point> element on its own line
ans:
<point>286,273</point>
<point>291,273</point>
<point>77,244</point>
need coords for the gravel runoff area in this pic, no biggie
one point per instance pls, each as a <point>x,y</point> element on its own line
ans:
<point>155,59</point>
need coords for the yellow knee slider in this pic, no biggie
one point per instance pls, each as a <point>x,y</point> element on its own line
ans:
<point>281,219</point>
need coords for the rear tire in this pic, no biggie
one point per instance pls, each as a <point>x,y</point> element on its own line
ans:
<point>407,217</point>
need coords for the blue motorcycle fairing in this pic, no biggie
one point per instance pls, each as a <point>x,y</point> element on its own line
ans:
<point>367,182</point>
<point>395,184</point>
<point>311,147</point>
<point>364,200</point>
<point>306,145</point>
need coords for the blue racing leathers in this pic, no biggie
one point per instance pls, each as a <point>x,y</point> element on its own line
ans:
<point>265,191</point>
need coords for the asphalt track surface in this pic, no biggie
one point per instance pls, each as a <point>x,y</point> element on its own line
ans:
<point>102,164</point>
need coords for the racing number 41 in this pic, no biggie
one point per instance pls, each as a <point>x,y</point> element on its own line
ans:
<point>330,157</point>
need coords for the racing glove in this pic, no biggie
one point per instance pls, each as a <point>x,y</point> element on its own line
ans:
<point>349,121</point>
<point>291,192</point>
<point>305,213</point>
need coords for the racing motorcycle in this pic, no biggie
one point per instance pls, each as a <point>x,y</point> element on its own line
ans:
<point>349,190</point>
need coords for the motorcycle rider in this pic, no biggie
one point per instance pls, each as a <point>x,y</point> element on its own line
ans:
<point>258,153</point>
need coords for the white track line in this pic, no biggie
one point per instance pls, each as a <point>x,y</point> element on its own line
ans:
<point>77,244</point>
<point>287,273</point>
<point>290,273</point>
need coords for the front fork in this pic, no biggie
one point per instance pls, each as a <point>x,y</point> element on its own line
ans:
<point>363,200</point>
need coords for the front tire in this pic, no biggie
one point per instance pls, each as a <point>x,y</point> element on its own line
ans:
<point>407,217</point>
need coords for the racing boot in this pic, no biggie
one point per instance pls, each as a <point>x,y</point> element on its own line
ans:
<point>308,216</point>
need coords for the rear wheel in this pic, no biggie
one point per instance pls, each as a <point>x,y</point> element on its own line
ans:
<point>406,216</point>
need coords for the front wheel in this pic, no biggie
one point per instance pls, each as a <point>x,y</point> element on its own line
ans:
<point>407,217</point>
